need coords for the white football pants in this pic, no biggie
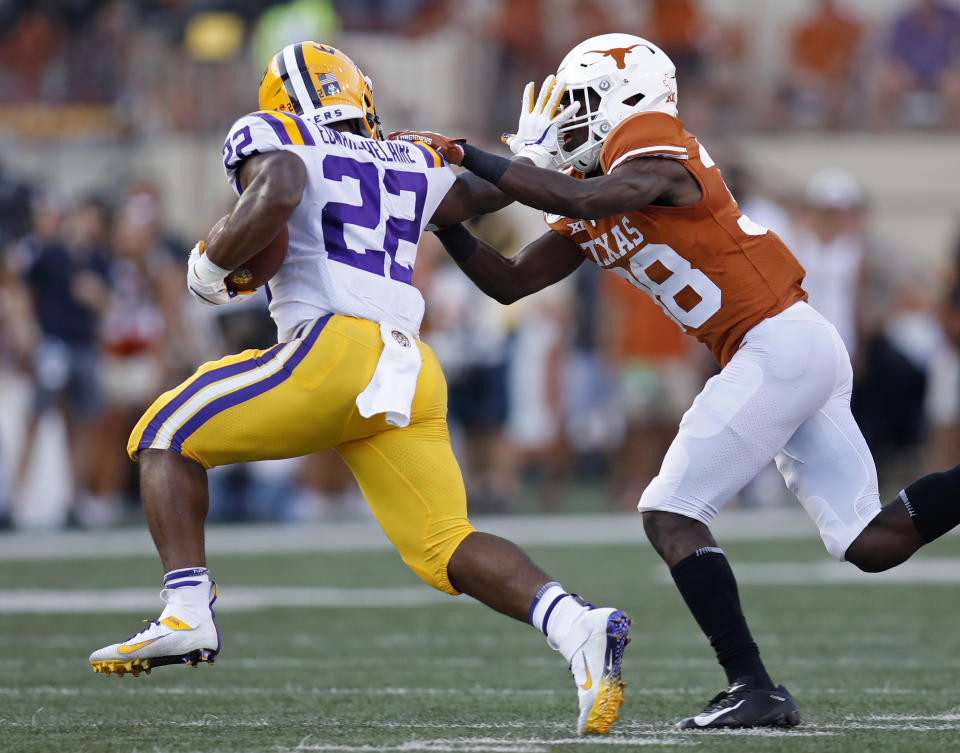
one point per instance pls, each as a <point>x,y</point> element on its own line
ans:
<point>785,395</point>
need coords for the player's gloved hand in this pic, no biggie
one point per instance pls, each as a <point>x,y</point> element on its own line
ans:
<point>536,136</point>
<point>448,148</point>
<point>206,282</point>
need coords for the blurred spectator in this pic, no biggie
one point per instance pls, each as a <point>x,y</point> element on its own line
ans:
<point>468,332</point>
<point>582,19</point>
<point>918,81</point>
<point>14,208</point>
<point>593,414</point>
<point>901,334</point>
<point>658,375</point>
<point>755,199</point>
<point>324,488</point>
<point>289,22</point>
<point>942,406</point>
<point>830,242</point>
<point>521,54</point>
<point>145,343</point>
<point>68,286</point>
<point>824,50</point>
<point>412,18</point>
<point>890,390</point>
<point>96,42</point>
<point>679,28</point>
<point>18,337</point>
<point>26,50</point>
<point>538,351</point>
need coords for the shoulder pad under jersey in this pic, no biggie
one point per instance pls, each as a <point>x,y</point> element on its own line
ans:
<point>259,132</point>
<point>646,134</point>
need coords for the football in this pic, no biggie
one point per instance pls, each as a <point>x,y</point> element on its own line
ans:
<point>259,268</point>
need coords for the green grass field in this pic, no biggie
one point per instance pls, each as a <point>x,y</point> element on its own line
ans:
<point>875,666</point>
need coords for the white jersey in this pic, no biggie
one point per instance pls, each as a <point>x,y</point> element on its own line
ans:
<point>353,238</point>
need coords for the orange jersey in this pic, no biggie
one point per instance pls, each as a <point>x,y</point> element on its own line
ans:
<point>709,267</point>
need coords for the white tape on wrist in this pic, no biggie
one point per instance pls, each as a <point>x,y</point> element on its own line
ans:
<point>208,272</point>
<point>538,155</point>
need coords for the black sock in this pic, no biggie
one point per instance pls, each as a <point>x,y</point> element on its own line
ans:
<point>706,583</point>
<point>933,503</point>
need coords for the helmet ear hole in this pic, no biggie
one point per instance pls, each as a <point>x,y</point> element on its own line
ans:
<point>633,100</point>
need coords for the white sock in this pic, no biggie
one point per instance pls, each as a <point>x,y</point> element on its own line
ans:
<point>187,590</point>
<point>555,612</point>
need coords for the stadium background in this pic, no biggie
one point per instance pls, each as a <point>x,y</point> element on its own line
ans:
<point>111,120</point>
<point>831,126</point>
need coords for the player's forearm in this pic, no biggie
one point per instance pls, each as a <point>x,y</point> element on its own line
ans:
<point>485,197</point>
<point>541,189</point>
<point>250,227</point>
<point>489,270</point>
<point>469,196</point>
<point>264,207</point>
<point>548,190</point>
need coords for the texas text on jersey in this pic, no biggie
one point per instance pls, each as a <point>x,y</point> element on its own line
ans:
<point>709,267</point>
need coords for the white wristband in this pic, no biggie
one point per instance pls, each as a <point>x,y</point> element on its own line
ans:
<point>208,272</point>
<point>538,155</point>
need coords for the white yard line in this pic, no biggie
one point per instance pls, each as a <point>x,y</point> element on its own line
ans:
<point>365,534</point>
<point>494,744</point>
<point>233,599</point>
<point>933,570</point>
<point>925,570</point>
<point>942,570</point>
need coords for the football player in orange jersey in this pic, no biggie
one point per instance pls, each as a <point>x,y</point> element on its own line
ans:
<point>641,197</point>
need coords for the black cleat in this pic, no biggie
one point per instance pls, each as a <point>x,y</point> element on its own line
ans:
<point>743,706</point>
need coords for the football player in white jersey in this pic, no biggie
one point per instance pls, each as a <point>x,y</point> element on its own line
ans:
<point>643,199</point>
<point>348,372</point>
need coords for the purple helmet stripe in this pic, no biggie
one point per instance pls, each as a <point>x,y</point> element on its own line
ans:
<point>250,391</point>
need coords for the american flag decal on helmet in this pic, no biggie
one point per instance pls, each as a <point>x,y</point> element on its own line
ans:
<point>328,84</point>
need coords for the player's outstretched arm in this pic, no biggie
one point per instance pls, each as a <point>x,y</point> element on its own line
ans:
<point>633,186</point>
<point>468,197</point>
<point>537,265</point>
<point>273,185</point>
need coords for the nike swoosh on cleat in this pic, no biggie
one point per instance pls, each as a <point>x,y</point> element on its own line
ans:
<point>702,720</point>
<point>129,649</point>
<point>589,683</point>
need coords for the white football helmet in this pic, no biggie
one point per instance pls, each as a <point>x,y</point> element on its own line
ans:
<point>628,73</point>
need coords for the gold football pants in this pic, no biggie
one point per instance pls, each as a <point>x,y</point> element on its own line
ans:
<point>300,397</point>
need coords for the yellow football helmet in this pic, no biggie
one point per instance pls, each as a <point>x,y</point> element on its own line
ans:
<point>318,81</point>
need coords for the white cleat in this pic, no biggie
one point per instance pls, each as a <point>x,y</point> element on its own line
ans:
<point>179,636</point>
<point>596,670</point>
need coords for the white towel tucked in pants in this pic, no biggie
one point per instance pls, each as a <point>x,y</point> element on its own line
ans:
<point>394,380</point>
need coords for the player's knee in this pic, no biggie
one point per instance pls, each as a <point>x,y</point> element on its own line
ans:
<point>872,552</point>
<point>662,527</point>
<point>675,536</point>
<point>867,562</point>
<point>441,540</point>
